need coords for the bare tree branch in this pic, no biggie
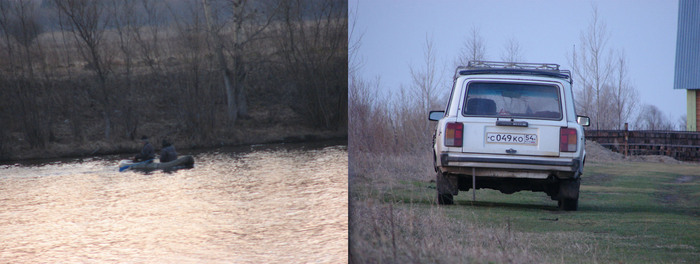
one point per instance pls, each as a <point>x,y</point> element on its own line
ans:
<point>88,23</point>
<point>512,51</point>
<point>474,48</point>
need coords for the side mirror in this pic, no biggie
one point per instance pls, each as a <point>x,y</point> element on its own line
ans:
<point>583,120</point>
<point>436,115</point>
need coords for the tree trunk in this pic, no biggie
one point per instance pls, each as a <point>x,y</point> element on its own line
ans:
<point>241,97</point>
<point>239,68</point>
<point>232,108</point>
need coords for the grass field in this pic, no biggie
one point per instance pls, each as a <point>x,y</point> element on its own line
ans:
<point>628,213</point>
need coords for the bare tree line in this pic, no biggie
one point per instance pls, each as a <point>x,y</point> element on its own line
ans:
<point>601,83</point>
<point>397,123</point>
<point>603,89</point>
<point>189,68</point>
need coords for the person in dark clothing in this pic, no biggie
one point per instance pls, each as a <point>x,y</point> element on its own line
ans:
<point>167,153</point>
<point>147,152</point>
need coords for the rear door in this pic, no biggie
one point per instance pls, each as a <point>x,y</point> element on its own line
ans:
<point>520,118</point>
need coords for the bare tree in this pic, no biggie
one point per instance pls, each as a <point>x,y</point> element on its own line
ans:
<point>607,104</point>
<point>19,23</point>
<point>363,101</point>
<point>411,105</point>
<point>683,123</point>
<point>239,17</point>
<point>368,123</point>
<point>5,18</point>
<point>603,87</point>
<point>314,50</point>
<point>651,118</point>
<point>127,23</point>
<point>88,22</point>
<point>593,69</point>
<point>512,51</point>
<point>624,95</point>
<point>474,48</point>
<point>248,20</point>
<point>355,40</point>
<point>424,86</point>
<point>218,43</point>
<point>146,32</point>
<point>196,111</point>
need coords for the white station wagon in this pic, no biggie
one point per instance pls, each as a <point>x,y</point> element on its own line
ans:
<point>514,127</point>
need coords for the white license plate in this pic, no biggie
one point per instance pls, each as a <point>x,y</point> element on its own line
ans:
<point>530,139</point>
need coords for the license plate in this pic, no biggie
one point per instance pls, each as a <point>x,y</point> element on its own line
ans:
<point>529,139</point>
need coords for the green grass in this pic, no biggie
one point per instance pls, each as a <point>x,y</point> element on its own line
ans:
<point>628,212</point>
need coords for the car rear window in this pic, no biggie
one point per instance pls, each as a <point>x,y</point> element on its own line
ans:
<point>513,100</point>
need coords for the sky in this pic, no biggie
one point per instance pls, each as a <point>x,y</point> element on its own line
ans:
<point>392,37</point>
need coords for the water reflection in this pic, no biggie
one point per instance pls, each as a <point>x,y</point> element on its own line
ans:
<point>272,205</point>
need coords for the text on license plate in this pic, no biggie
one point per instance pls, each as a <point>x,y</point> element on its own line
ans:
<point>511,138</point>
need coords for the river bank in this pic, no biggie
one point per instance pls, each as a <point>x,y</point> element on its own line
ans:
<point>283,83</point>
<point>240,137</point>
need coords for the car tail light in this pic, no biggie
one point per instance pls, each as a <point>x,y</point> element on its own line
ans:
<point>453,134</point>
<point>567,140</point>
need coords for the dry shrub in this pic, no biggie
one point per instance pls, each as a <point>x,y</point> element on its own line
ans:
<point>396,233</point>
<point>391,125</point>
<point>389,167</point>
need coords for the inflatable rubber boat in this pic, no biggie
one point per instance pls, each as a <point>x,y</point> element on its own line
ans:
<point>184,162</point>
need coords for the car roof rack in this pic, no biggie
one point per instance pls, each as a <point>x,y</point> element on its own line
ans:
<point>491,67</point>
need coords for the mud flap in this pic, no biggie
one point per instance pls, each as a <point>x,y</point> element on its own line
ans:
<point>569,189</point>
<point>447,184</point>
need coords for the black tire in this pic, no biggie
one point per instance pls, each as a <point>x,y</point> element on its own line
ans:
<point>445,199</point>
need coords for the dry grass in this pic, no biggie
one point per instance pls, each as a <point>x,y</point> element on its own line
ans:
<point>629,212</point>
<point>396,232</point>
<point>385,228</point>
<point>389,233</point>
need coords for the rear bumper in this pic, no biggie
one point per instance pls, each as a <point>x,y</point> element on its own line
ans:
<point>521,167</point>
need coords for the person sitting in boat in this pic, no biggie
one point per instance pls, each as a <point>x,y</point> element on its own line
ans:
<point>147,152</point>
<point>167,153</point>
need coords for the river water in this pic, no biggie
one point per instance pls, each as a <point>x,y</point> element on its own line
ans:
<point>262,204</point>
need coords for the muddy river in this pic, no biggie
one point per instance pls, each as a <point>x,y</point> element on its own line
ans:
<point>262,204</point>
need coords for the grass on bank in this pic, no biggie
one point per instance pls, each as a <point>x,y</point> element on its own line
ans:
<point>628,212</point>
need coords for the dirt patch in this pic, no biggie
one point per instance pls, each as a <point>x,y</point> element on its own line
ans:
<point>669,198</point>
<point>685,179</point>
<point>596,152</point>
<point>676,194</point>
<point>654,158</point>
